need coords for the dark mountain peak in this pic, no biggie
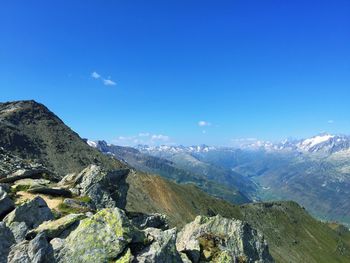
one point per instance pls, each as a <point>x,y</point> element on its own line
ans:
<point>32,131</point>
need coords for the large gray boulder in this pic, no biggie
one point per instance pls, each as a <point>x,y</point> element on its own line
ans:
<point>28,216</point>
<point>220,239</point>
<point>33,213</point>
<point>106,189</point>
<point>162,247</point>
<point>6,241</point>
<point>6,203</point>
<point>102,238</point>
<point>38,250</point>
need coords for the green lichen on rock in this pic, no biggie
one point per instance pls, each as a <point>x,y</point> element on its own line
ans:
<point>54,228</point>
<point>101,238</point>
<point>127,258</point>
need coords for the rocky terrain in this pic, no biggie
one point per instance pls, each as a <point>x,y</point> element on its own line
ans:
<point>63,201</point>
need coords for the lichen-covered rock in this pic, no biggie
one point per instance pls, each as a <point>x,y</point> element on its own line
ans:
<point>33,213</point>
<point>54,228</point>
<point>6,203</point>
<point>6,241</point>
<point>27,183</point>
<point>101,238</point>
<point>162,247</point>
<point>219,239</point>
<point>38,250</point>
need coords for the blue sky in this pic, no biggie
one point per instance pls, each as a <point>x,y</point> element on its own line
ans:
<point>184,72</point>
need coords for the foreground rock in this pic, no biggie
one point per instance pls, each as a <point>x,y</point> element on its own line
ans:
<point>106,189</point>
<point>25,173</point>
<point>162,247</point>
<point>220,239</point>
<point>28,216</point>
<point>101,238</point>
<point>53,191</point>
<point>6,241</point>
<point>38,250</point>
<point>33,213</point>
<point>6,203</point>
<point>55,228</point>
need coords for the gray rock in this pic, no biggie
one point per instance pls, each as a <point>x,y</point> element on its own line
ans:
<point>38,250</point>
<point>78,204</point>
<point>101,238</point>
<point>32,213</point>
<point>143,221</point>
<point>57,245</point>
<point>53,191</point>
<point>6,203</point>
<point>107,189</point>
<point>162,247</point>
<point>55,228</point>
<point>6,241</point>
<point>19,230</point>
<point>222,240</point>
<point>25,173</point>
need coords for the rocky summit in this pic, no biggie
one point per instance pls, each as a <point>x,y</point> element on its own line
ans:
<point>61,200</point>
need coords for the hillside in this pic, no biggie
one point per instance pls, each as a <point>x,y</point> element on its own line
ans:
<point>31,131</point>
<point>227,189</point>
<point>290,231</point>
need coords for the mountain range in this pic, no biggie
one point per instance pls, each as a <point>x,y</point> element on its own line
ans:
<point>314,172</point>
<point>68,202</point>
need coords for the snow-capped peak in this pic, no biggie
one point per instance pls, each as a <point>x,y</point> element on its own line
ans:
<point>311,142</point>
<point>92,143</point>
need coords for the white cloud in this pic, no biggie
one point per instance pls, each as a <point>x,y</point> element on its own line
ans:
<point>330,121</point>
<point>109,82</point>
<point>203,123</point>
<point>95,75</point>
<point>160,137</point>
<point>106,82</point>
<point>142,138</point>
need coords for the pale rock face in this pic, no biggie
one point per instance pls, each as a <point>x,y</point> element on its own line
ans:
<point>220,239</point>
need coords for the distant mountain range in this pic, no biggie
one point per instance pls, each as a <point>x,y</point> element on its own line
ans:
<point>314,171</point>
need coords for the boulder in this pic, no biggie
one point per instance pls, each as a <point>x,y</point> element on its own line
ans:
<point>78,204</point>
<point>19,230</point>
<point>220,239</point>
<point>25,173</point>
<point>27,183</point>
<point>54,228</point>
<point>38,250</point>
<point>33,213</point>
<point>106,189</point>
<point>53,191</point>
<point>6,241</point>
<point>101,238</point>
<point>162,247</point>
<point>143,221</point>
<point>6,203</point>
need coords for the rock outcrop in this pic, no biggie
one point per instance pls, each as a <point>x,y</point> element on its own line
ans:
<point>101,238</point>
<point>6,241</point>
<point>6,203</point>
<point>220,239</point>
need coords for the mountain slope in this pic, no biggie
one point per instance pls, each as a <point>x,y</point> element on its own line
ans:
<point>168,169</point>
<point>31,131</point>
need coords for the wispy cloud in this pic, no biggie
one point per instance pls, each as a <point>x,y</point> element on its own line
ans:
<point>330,121</point>
<point>106,82</point>
<point>142,138</point>
<point>109,82</point>
<point>95,75</point>
<point>204,123</point>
